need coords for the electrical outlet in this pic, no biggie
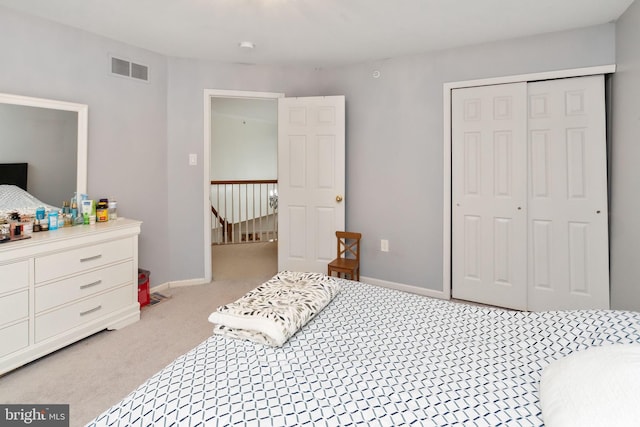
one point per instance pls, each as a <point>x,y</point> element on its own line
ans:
<point>384,245</point>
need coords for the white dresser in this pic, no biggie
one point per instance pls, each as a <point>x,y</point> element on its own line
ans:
<point>60,286</point>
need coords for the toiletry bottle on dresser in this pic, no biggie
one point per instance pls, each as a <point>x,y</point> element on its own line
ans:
<point>113,209</point>
<point>74,213</point>
<point>53,220</point>
<point>102,210</point>
<point>65,219</point>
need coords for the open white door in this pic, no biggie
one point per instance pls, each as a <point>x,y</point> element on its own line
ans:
<point>311,183</point>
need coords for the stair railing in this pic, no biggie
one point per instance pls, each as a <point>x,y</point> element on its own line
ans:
<point>244,211</point>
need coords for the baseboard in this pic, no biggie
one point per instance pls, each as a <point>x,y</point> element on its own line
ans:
<point>406,288</point>
<point>187,282</point>
<point>176,284</point>
<point>370,280</point>
<point>161,287</point>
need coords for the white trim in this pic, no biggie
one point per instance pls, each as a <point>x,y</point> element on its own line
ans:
<point>178,284</point>
<point>161,287</point>
<point>187,282</point>
<point>206,164</point>
<point>446,101</point>
<point>433,293</point>
<point>83,117</point>
<point>83,138</point>
<point>547,75</point>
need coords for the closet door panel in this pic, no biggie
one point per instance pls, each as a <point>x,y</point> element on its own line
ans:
<point>568,193</point>
<point>489,194</point>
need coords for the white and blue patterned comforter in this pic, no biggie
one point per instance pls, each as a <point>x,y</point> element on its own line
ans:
<point>375,357</point>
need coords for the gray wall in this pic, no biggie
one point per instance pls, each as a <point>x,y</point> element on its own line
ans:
<point>187,81</point>
<point>624,172</point>
<point>395,140</point>
<point>127,119</point>
<point>394,133</point>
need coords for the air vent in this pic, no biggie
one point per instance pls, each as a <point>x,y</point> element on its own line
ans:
<point>125,68</point>
<point>139,71</point>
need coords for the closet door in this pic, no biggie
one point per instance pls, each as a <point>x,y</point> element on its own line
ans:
<point>567,215</point>
<point>489,234</point>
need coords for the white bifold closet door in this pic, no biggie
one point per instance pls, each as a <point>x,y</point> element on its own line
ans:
<point>529,195</point>
<point>489,154</point>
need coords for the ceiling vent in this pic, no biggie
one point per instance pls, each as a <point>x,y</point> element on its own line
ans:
<point>125,68</point>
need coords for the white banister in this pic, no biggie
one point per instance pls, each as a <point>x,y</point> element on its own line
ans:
<point>244,211</point>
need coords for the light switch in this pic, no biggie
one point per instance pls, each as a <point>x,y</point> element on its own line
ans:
<point>193,159</point>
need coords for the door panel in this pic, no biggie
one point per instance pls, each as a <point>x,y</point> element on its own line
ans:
<point>296,161</point>
<point>311,169</point>
<point>542,253</point>
<point>489,194</point>
<point>573,205</point>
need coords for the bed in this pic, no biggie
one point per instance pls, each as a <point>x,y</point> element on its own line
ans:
<point>14,174</point>
<point>376,357</point>
<point>15,199</point>
<point>14,196</point>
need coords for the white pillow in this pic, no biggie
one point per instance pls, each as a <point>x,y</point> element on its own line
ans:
<point>599,387</point>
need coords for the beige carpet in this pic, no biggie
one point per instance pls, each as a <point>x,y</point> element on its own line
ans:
<point>97,372</point>
<point>230,262</point>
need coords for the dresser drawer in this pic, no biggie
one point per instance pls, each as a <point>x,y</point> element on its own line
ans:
<point>14,307</point>
<point>14,276</point>
<point>14,337</point>
<point>77,260</point>
<point>74,288</point>
<point>65,318</point>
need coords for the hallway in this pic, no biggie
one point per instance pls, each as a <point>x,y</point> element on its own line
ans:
<point>244,261</point>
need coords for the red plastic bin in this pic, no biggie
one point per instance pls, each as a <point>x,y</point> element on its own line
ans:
<point>144,297</point>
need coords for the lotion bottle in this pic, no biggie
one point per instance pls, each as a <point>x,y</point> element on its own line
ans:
<point>53,220</point>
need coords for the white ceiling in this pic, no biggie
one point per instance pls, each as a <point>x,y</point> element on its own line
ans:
<point>317,32</point>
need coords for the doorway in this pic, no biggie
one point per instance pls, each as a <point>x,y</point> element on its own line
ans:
<point>237,147</point>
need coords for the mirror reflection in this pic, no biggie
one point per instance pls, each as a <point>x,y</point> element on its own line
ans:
<point>46,140</point>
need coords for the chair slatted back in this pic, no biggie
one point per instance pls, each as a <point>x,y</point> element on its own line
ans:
<point>348,244</point>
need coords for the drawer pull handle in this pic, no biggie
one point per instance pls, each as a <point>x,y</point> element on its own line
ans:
<point>88,285</point>
<point>91,258</point>
<point>84,313</point>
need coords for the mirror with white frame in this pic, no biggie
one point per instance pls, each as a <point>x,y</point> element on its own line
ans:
<point>51,138</point>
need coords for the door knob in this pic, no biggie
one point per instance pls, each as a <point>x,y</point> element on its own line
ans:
<point>338,199</point>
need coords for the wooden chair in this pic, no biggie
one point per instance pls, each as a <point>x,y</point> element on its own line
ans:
<point>348,260</point>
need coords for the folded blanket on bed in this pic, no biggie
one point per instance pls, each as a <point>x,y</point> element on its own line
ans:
<point>274,311</point>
